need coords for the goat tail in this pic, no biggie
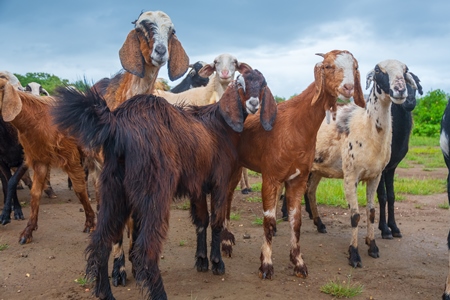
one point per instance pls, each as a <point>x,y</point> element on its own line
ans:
<point>84,115</point>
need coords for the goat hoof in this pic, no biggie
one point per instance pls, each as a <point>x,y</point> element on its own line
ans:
<point>301,271</point>
<point>18,216</point>
<point>322,229</point>
<point>387,236</point>
<point>266,271</point>
<point>5,220</point>
<point>218,268</point>
<point>397,234</point>
<point>202,264</point>
<point>50,193</point>
<point>373,249</point>
<point>354,259</point>
<point>24,240</point>
<point>246,191</point>
<point>120,279</point>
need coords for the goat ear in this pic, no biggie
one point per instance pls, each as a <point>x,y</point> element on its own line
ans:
<point>358,96</point>
<point>269,110</point>
<point>242,67</point>
<point>231,109</point>
<point>413,80</point>
<point>207,70</point>
<point>319,81</point>
<point>178,59</point>
<point>11,103</point>
<point>44,91</point>
<point>130,55</point>
<point>369,78</point>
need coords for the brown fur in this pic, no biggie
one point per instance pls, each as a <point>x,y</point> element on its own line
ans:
<point>44,145</point>
<point>286,153</point>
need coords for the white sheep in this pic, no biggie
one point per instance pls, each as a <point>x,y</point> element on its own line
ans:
<point>357,146</point>
<point>225,66</point>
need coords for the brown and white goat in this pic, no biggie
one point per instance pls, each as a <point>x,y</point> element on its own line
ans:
<point>153,152</point>
<point>44,145</point>
<point>148,47</point>
<point>286,153</point>
<point>357,146</point>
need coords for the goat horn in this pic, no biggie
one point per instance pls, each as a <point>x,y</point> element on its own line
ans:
<point>320,54</point>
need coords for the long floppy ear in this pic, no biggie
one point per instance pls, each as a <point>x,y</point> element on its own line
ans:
<point>231,108</point>
<point>369,78</point>
<point>319,81</point>
<point>11,103</point>
<point>207,70</point>
<point>242,67</point>
<point>358,96</point>
<point>178,59</point>
<point>413,80</point>
<point>269,109</point>
<point>130,55</point>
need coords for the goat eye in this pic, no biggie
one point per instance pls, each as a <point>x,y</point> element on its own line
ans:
<point>173,31</point>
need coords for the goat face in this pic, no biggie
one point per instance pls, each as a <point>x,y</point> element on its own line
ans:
<point>36,89</point>
<point>153,42</point>
<point>196,79</point>
<point>253,95</point>
<point>225,66</point>
<point>391,78</point>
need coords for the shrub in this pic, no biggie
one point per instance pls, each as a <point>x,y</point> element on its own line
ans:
<point>428,113</point>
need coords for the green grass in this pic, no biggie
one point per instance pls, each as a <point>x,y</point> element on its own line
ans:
<point>258,221</point>
<point>83,281</point>
<point>444,205</point>
<point>182,242</point>
<point>253,173</point>
<point>412,186</point>
<point>415,141</point>
<point>254,199</point>
<point>256,187</point>
<point>3,247</point>
<point>186,205</point>
<point>235,216</point>
<point>342,289</point>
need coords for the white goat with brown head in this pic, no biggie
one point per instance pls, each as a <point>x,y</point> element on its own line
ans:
<point>357,146</point>
<point>148,47</point>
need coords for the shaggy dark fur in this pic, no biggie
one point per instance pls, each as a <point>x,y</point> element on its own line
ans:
<point>153,152</point>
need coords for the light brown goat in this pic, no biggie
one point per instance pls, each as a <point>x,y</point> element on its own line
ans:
<point>286,153</point>
<point>44,145</point>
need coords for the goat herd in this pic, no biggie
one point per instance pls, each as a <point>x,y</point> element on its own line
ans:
<point>148,151</point>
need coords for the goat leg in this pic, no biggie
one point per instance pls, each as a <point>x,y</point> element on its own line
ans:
<point>11,200</point>
<point>200,218</point>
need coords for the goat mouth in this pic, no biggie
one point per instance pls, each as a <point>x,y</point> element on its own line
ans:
<point>252,109</point>
<point>398,100</point>
<point>158,63</point>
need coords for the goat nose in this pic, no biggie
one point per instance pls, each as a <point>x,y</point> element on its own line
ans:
<point>400,90</point>
<point>348,87</point>
<point>254,102</point>
<point>224,73</point>
<point>160,49</point>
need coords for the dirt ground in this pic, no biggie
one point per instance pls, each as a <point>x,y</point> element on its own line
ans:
<point>413,267</point>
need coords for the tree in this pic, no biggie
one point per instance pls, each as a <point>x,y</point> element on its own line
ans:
<point>428,113</point>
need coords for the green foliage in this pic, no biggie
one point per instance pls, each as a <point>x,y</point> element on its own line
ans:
<point>257,187</point>
<point>342,289</point>
<point>428,113</point>
<point>3,247</point>
<point>48,81</point>
<point>279,99</point>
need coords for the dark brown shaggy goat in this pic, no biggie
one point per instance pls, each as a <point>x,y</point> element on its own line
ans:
<point>153,152</point>
<point>286,153</point>
<point>44,145</point>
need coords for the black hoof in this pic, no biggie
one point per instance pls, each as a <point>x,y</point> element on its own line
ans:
<point>246,191</point>
<point>373,249</point>
<point>218,268</point>
<point>354,259</point>
<point>202,264</point>
<point>5,220</point>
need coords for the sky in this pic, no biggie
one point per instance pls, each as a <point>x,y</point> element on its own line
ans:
<point>81,39</point>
